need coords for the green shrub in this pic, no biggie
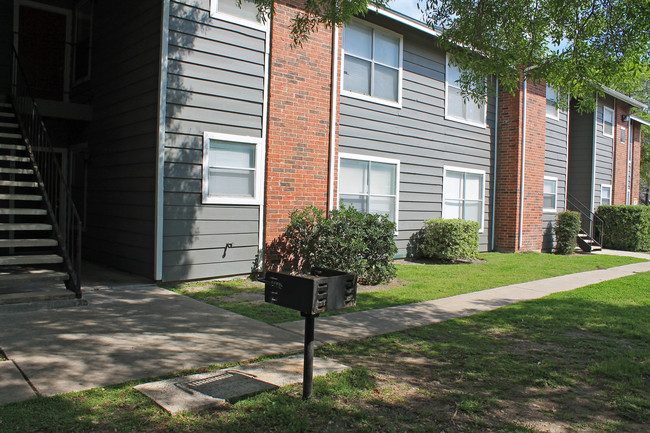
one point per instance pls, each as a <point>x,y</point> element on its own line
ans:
<point>566,228</point>
<point>449,239</point>
<point>347,240</point>
<point>626,227</point>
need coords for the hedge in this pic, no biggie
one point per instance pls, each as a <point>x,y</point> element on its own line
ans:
<point>450,239</point>
<point>566,228</point>
<point>626,227</point>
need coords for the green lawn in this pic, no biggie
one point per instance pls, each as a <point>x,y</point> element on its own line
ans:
<point>577,361</point>
<point>415,283</point>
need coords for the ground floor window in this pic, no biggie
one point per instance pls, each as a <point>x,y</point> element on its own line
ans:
<point>463,194</point>
<point>370,184</point>
<point>550,194</point>
<point>232,169</point>
<point>605,194</point>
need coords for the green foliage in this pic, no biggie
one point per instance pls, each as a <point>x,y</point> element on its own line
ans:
<point>566,228</point>
<point>450,239</point>
<point>347,240</point>
<point>626,227</point>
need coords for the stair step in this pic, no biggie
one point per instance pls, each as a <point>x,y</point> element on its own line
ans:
<point>24,275</point>
<point>10,135</point>
<point>25,243</point>
<point>16,170</point>
<point>13,147</point>
<point>7,114</point>
<point>14,158</point>
<point>5,104</point>
<point>18,184</point>
<point>26,197</point>
<point>24,227</point>
<point>22,211</point>
<point>8,125</point>
<point>44,259</point>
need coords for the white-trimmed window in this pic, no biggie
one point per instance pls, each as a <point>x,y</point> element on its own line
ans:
<point>552,110</point>
<point>458,107</point>
<point>372,63</point>
<point>462,194</point>
<point>550,194</point>
<point>244,13</point>
<point>608,122</point>
<point>623,135</point>
<point>232,169</point>
<point>605,194</point>
<point>370,184</point>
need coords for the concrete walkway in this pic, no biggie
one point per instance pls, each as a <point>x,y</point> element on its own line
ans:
<point>134,331</point>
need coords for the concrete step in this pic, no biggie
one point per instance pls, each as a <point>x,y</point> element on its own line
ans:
<point>5,105</point>
<point>27,243</point>
<point>25,211</point>
<point>24,227</point>
<point>11,158</point>
<point>20,274</point>
<point>7,114</point>
<point>7,170</point>
<point>18,147</point>
<point>8,125</point>
<point>10,135</point>
<point>42,259</point>
<point>18,184</point>
<point>25,197</point>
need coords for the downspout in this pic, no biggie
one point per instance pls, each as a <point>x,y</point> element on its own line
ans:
<point>265,128</point>
<point>628,163</point>
<point>333,112</point>
<point>160,145</point>
<point>566,162</point>
<point>494,169</point>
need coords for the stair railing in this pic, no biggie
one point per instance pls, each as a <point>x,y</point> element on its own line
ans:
<point>56,192</point>
<point>596,227</point>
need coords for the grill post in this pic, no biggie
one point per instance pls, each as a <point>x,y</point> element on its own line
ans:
<point>308,368</point>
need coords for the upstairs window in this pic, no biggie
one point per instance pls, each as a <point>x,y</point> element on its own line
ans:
<point>552,110</point>
<point>82,40</point>
<point>463,194</point>
<point>229,10</point>
<point>608,122</point>
<point>371,185</point>
<point>232,167</point>
<point>372,63</point>
<point>458,107</point>
<point>550,194</point>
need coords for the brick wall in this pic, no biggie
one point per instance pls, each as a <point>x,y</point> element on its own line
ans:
<point>636,160</point>
<point>619,175</point>
<point>297,154</point>
<point>509,159</point>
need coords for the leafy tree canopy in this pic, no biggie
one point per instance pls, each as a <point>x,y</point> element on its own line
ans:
<point>574,45</point>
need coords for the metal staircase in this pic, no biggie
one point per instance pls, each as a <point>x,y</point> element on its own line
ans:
<point>40,229</point>
<point>590,237</point>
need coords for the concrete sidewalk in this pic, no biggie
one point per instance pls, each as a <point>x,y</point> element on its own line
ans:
<point>369,323</point>
<point>135,331</point>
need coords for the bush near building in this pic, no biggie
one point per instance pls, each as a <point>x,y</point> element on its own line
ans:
<point>566,228</point>
<point>626,227</point>
<point>449,240</point>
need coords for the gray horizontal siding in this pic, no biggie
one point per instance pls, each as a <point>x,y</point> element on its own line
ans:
<point>122,136</point>
<point>555,166</point>
<point>418,135</point>
<point>215,84</point>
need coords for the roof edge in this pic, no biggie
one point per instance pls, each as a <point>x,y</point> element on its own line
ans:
<point>404,19</point>
<point>624,98</point>
<point>640,120</point>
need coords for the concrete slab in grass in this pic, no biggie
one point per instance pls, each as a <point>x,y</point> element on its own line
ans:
<point>210,390</point>
<point>14,386</point>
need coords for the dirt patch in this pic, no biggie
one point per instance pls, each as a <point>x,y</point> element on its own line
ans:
<point>250,297</point>
<point>392,284</point>
<point>421,261</point>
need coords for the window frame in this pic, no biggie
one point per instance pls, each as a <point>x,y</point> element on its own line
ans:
<point>554,209</point>
<point>216,13</point>
<point>556,116</point>
<point>448,168</point>
<point>78,80</point>
<point>460,119</point>
<point>400,69</point>
<point>371,159</point>
<point>611,112</point>
<point>602,187</point>
<point>258,183</point>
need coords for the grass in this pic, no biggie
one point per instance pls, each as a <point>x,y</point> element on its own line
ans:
<point>416,283</point>
<point>573,361</point>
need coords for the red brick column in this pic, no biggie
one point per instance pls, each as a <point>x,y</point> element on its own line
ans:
<point>298,145</point>
<point>509,159</point>
<point>619,175</point>
<point>636,160</point>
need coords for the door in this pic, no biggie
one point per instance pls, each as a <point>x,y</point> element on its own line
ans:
<point>43,50</point>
